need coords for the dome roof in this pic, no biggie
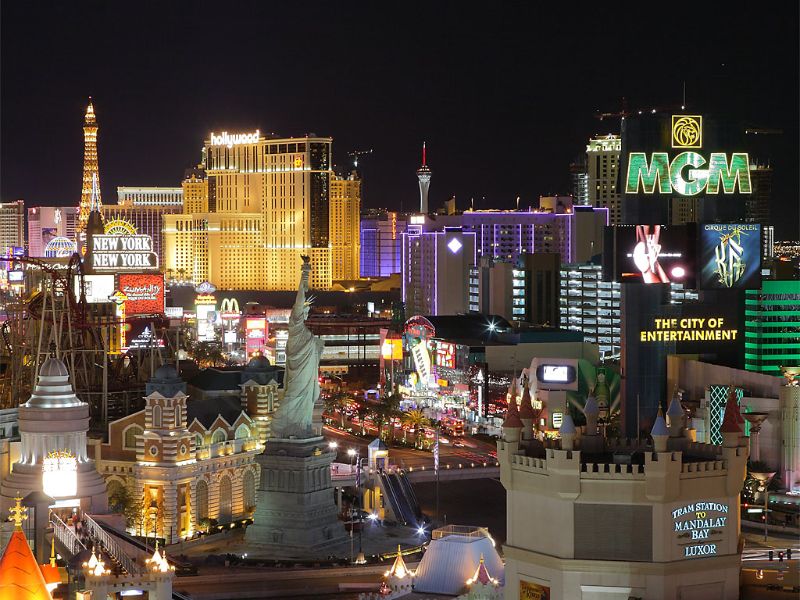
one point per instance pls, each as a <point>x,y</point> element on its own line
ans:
<point>54,367</point>
<point>165,373</point>
<point>53,389</point>
<point>258,362</point>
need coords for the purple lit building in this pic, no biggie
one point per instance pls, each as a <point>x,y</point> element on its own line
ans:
<point>574,233</point>
<point>381,243</point>
<point>436,263</point>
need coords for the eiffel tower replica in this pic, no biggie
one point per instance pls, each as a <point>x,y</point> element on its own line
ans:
<point>90,191</point>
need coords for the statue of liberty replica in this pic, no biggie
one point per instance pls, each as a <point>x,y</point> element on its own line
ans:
<point>296,512</point>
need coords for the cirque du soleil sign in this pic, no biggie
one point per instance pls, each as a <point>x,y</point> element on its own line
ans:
<point>701,524</point>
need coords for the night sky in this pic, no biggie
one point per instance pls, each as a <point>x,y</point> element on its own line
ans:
<point>504,94</point>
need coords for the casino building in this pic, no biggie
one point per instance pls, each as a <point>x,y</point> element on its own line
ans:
<point>267,202</point>
<point>590,517</point>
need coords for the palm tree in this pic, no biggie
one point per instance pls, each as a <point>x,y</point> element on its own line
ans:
<point>416,420</point>
<point>381,414</point>
<point>362,411</point>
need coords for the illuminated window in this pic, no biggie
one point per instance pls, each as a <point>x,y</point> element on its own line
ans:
<point>156,416</point>
<point>131,432</point>
<point>219,436</point>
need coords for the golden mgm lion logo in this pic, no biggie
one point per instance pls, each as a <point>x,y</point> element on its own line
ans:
<point>687,131</point>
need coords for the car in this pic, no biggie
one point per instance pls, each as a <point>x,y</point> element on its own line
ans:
<point>458,444</point>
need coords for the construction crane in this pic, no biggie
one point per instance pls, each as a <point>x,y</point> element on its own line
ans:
<point>357,153</point>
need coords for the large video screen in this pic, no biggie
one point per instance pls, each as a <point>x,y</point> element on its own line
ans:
<point>730,256</point>
<point>654,254</point>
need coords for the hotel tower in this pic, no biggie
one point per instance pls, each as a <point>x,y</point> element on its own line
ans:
<point>252,209</point>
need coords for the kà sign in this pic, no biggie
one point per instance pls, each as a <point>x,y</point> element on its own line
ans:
<point>700,525</point>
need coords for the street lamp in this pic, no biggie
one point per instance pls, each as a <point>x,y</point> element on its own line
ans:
<point>763,478</point>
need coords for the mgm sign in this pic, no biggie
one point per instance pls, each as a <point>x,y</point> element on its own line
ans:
<point>688,173</point>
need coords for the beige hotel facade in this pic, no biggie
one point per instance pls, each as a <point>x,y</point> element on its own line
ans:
<point>253,207</point>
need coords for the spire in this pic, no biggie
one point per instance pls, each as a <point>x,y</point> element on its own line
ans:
<point>90,197</point>
<point>512,415</point>
<point>730,420</point>
<point>482,575</point>
<point>660,425</point>
<point>424,157</point>
<point>525,405</point>
<point>399,568</point>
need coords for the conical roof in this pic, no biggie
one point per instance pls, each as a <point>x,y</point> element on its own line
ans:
<point>567,425</point>
<point>482,575</point>
<point>399,568</point>
<point>730,420</point>
<point>675,410</point>
<point>512,416</point>
<point>525,406</point>
<point>53,389</point>
<point>660,425</point>
<point>20,575</point>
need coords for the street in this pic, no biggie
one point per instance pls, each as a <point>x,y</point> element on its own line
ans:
<point>473,451</point>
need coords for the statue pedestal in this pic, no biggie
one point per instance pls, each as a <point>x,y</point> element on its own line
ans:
<point>296,511</point>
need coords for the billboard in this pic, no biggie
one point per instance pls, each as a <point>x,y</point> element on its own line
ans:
<point>653,254</point>
<point>730,256</point>
<point>446,354</point>
<point>256,329</point>
<point>98,288</point>
<point>145,293</point>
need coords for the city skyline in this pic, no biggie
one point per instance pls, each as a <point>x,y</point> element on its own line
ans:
<point>492,132</point>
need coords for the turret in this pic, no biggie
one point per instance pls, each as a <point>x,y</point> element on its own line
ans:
<point>526,413</point>
<point>660,432</point>
<point>512,426</point>
<point>730,428</point>
<point>568,433</point>
<point>591,410</point>
<point>676,418</point>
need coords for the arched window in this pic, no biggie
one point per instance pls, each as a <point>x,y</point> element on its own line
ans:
<point>129,442</point>
<point>249,491</point>
<point>178,416</point>
<point>157,416</point>
<point>225,499</point>
<point>198,440</point>
<point>202,500</point>
<point>219,436</point>
<point>242,432</point>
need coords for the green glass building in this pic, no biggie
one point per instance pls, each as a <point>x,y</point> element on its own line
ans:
<point>772,326</point>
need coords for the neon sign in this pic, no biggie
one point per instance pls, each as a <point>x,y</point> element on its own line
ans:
<point>700,521</point>
<point>688,329</point>
<point>226,139</point>
<point>659,175</point>
<point>687,131</point>
<point>121,252</point>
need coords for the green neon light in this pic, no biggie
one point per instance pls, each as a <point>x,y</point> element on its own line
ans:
<point>698,178</point>
<point>638,170</point>
<point>718,169</point>
<point>669,177</point>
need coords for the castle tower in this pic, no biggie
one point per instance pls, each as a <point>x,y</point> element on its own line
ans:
<point>53,424</point>
<point>90,192</point>
<point>424,175</point>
